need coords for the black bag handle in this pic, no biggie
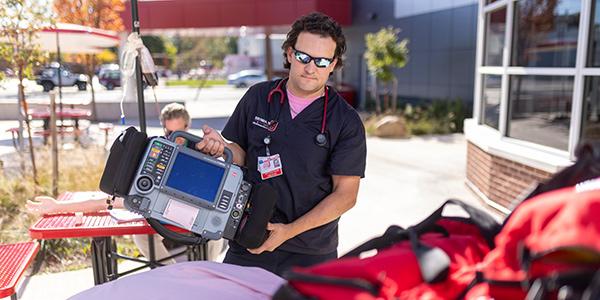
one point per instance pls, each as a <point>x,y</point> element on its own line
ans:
<point>356,283</point>
<point>188,240</point>
<point>434,263</point>
<point>487,225</point>
<point>196,139</point>
<point>391,236</point>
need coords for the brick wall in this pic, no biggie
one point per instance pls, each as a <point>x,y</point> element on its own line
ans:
<point>500,179</point>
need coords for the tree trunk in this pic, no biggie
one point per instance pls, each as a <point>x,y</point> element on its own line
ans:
<point>91,69</point>
<point>54,144</point>
<point>25,108</point>
<point>375,94</point>
<point>394,94</point>
<point>386,101</point>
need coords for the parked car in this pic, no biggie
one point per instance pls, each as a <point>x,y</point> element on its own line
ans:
<point>106,67</point>
<point>246,78</point>
<point>111,79</point>
<point>48,79</point>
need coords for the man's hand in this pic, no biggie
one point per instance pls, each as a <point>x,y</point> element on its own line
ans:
<point>212,143</point>
<point>279,233</point>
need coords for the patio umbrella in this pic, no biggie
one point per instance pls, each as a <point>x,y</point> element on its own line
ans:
<point>75,39</point>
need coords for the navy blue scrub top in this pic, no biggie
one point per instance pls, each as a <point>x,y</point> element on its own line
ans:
<point>307,167</point>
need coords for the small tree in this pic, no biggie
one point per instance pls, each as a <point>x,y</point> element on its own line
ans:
<point>384,53</point>
<point>20,20</point>
<point>103,14</point>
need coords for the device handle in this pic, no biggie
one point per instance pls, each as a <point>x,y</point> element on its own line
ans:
<point>189,240</point>
<point>196,139</point>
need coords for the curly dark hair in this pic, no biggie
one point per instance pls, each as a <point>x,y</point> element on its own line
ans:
<point>316,23</point>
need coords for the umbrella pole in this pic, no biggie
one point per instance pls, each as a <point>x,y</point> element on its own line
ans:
<point>60,105</point>
<point>138,68</point>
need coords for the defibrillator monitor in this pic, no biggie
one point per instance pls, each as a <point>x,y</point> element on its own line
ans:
<point>184,187</point>
<point>195,178</point>
<point>174,184</point>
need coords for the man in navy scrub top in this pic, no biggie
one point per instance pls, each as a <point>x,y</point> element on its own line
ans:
<point>301,137</point>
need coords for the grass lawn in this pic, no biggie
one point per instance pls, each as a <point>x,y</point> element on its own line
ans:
<point>196,82</point>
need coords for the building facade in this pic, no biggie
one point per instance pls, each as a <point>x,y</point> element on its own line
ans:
<point>536,96</point>
<point>442,46</point>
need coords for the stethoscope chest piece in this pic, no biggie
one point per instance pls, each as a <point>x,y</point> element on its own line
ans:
<point>321,140</point>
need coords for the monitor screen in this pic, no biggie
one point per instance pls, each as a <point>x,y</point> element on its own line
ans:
<point>195,177</point>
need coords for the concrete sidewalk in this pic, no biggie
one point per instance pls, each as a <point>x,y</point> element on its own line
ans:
<point>405,181</point>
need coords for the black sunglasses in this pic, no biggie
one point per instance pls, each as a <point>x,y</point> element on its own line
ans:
<point>304,58</point>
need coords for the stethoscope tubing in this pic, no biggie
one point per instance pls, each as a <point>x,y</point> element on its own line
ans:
<point>282,96</point>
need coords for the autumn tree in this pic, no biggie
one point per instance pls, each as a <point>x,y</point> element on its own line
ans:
<point>103,14</point>
<point>20,21</point>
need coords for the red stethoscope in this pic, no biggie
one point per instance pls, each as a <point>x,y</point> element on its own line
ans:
<point>320,138</point>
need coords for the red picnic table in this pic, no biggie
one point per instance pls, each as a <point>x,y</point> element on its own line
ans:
<point>14,260</point>
<point>101,227</point>
<point>66,113</point>
<point>74,114</point>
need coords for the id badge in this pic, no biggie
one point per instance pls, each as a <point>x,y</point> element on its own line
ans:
<point>269,166</point>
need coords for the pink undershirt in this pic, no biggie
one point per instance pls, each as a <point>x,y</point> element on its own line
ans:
<point>298,104</point>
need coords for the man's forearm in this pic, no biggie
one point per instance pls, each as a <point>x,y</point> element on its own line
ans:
<point>331,208</point>
<point>239,155</point>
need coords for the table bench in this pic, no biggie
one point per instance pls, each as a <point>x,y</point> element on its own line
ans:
<point>14,260</point>
<point>15,136</point>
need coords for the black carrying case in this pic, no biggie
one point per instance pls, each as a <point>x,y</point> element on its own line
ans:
<point>123,161</point>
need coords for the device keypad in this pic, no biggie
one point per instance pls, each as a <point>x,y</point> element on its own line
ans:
<point>157,161</point>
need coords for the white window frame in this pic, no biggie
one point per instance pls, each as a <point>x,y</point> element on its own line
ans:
<point>579,72</point>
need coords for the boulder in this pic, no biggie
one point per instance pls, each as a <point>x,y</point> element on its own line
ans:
<point>391,127</point>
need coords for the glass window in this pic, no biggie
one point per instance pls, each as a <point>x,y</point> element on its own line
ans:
<point>540,109</point>
<point>494,37</point>
<point>594,52</point>
<point>545,33</point>
<point>590,127</point>
<point>490,1</point>
<point>491,100</point>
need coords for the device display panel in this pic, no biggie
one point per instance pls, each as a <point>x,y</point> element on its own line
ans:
<point>195,177</point>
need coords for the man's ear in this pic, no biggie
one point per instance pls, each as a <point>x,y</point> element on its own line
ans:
<point>333,64</point>
<point>288,54</point>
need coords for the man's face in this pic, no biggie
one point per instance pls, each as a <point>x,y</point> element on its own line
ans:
<point>308,79</point>
<point>176,124</point>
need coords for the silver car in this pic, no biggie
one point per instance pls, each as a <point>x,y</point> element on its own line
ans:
<point>246,78</point>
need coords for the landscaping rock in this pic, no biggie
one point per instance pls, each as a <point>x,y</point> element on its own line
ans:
<point>391,127</point>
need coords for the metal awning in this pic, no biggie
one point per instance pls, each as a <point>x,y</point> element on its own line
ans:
<point>182,14</point>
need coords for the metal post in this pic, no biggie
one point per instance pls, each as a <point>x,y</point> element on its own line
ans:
<point>138,68</point>
<point>54,144</point>
<point>268,54</point>
<point>58,58</point>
